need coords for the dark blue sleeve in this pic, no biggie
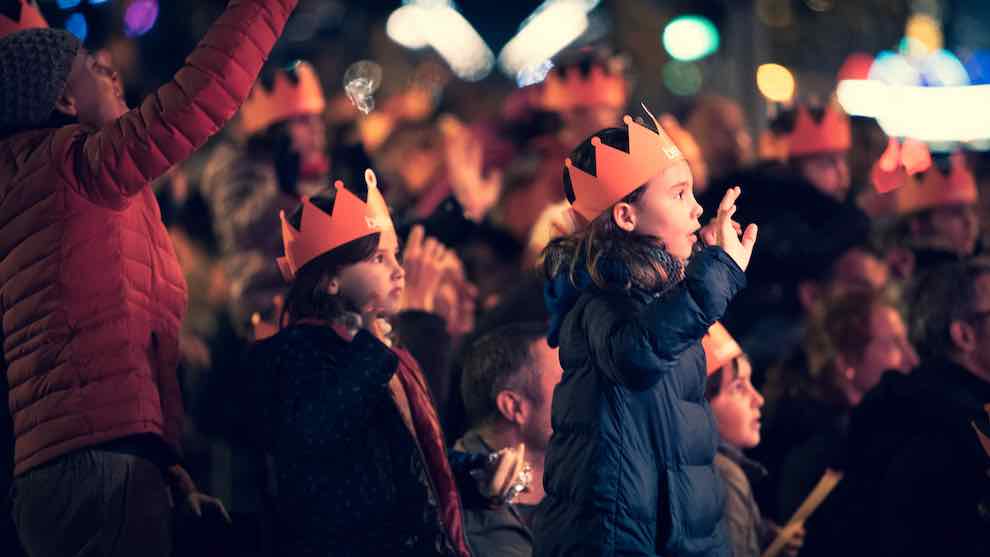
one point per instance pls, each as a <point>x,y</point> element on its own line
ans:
<point>677,321</point>
<point>634,348</point>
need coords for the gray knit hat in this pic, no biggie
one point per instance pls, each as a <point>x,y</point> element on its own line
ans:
<point>34,66</point>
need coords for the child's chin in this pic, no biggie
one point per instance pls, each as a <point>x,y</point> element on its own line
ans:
<point>683,255</point>
<point>392,307</point>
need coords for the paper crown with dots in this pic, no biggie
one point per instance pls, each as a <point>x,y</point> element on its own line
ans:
<point>720,348</point>
<point>20,15</point>
<point>295,91</point>
<point>319,233</point>
<point>809,135</point>
<point>619,173</point>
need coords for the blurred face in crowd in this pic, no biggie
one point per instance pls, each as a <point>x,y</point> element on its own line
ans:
<point>737,406</point>
<point>955,228</point>
<point>699,168</point>
<point>666,210</point>
<point>828,172</point>
<point>972,336</point>
<point>858,270</point>
<point>719,127</point>
<point>93,92</point>
<point>855,271</point>
<point>308,133</point>
<point>546,363</point>
<point>377,282</point>
<point>888,349</point>
<point>414,154</point>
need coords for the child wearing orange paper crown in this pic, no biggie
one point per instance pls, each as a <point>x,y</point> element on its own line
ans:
<point>358,452</point>
<point>629,469</point>
<point>736,405</point>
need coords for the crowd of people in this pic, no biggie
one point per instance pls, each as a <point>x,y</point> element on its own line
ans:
<point>572,330</point>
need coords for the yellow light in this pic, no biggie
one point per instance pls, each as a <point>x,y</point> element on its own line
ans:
<point>775,82</point>
<point>924,34</point>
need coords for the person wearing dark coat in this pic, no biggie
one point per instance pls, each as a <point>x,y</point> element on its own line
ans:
<point>629,469</point>
<point>507,388</point>
<point>850,343</point>
<point>799,195</point>
<point>916,474</point>
<point>334,398</point>
<point>354,439</point>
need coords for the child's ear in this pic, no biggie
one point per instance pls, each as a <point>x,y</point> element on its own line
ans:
<point>624,215</point>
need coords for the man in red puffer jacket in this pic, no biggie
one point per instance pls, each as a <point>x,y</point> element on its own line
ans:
<point>91,293</point>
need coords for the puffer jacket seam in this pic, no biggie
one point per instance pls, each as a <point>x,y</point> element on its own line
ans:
<point>25,211</point>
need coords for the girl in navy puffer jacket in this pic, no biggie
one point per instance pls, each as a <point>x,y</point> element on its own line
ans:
<point>629,470</point>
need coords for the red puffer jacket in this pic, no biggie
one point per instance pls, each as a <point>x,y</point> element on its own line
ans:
<point>90,288</point>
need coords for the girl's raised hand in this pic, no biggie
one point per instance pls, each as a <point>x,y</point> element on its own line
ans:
<point>740,249</point>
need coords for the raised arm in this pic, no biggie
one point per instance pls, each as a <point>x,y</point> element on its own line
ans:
<point>635,350</point>
<point>117,161</point>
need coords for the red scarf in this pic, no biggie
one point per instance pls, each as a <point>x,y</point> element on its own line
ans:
<point>429,436</point>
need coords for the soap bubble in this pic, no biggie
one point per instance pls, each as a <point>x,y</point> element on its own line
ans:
<point>361,80</point>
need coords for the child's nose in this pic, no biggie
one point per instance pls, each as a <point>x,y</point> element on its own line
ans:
<point>758,399</point>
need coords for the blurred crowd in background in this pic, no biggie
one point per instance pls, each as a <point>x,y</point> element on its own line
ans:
<point>866,320</point>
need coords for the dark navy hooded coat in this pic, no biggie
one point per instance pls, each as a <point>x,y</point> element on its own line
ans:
<point>629,469</point>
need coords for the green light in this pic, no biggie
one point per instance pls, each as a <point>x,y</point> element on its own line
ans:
<point>690,37</point>
<point>682,78</point>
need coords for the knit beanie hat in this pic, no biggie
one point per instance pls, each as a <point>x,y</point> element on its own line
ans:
<point>34,66</point>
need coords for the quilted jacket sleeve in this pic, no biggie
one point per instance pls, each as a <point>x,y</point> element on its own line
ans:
<point>635,347</point>
<point>112,164</point>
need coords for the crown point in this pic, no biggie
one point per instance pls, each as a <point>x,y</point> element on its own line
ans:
<point>370,178</point>
<point>627,119</point>
<point>596,141</point>
<point>568,163</point>
<point>338,184</point>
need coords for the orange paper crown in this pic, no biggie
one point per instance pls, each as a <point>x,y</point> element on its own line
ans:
<point>898,162</point>
<point>319,233</point>
<point>620,173</point>
<point>720,348</point>
<point>286,99</point>
<point>810,137</point>
<point>572,90</point>
<point>26,15</point>
<point>935,189</point>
